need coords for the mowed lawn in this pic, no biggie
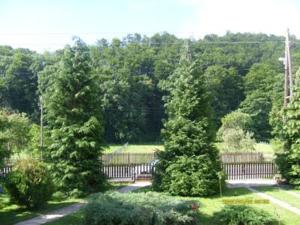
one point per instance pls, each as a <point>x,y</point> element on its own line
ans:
<point>287,195</point>
<point>11,213</point>
<point>135,148</point>
<point>208,206</point>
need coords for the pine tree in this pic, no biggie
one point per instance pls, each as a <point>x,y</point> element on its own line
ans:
<point>189,165</point>
<point>73,116</point>
<point>290,160</point>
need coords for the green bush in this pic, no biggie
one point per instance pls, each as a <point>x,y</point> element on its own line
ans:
<point>192,176</point>
<point>139,209</point>
<point>29,184</point>
<point>244,215</point>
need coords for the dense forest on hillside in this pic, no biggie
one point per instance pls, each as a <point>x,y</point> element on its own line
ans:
<point>240,71</point>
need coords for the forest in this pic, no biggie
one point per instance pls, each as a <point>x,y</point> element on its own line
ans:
<point>241,72</point>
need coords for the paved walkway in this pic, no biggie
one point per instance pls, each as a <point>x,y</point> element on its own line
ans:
<point>250,182</point>
<point>74,208</point>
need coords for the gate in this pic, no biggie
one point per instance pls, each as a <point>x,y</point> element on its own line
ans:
<point>250,170</point>
<point>133,166</point>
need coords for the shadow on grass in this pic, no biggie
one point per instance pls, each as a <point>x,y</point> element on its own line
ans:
<point>11,213</point>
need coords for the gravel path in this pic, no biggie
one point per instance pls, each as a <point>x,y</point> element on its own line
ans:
<point>74,208</point>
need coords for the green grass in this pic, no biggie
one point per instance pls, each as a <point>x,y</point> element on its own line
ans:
<point>282,195</point>
<point>209,206</point>
<point>73,219</point>
<point>135,148</point>
<point>11,213</point>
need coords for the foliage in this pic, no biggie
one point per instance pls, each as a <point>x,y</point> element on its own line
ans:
<point>14,133</point>
<point>29,184</point>
<point>259,88</point>
<point>244,215</point>
<point>235,120</point>
<point>139,208</point>
<point>187,133</point>
<point>241,70</point>
<point>290,158</point>
<point>225,87</point>
<point>192,176</point>
<point>235,140</point>
<point>74,118</point>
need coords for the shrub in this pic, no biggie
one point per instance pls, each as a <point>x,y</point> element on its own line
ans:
<point>29,184</point>
<point>139,208</point>
<point>192,176</point>
<point>244,215</point>
<point>237,140</point>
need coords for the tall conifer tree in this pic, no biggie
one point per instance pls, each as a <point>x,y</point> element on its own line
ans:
<point>73,116</point>
<point>189,165</point>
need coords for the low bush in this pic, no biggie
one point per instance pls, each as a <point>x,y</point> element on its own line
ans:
<point>139,209</point>
<point>29,184</point>
<point>244,215</point>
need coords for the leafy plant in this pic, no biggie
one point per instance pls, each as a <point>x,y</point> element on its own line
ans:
<point>139,208</point>
<point>288,160</point>
<point>244,215</point>
<point>29,184</point>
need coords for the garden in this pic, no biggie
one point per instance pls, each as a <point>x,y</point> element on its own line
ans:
<point>87,100</point>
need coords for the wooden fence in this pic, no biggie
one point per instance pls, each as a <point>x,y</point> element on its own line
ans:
<point>142,165</point>
<point>5,170</point>
<point>127,158</point>
<point>129,171</point>
<point>242,157</point>
<point>250,170</point>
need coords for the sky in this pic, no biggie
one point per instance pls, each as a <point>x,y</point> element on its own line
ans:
<point>50,24</point>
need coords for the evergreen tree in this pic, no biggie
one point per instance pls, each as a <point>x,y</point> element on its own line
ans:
<point>289,161</point>
<point>189,164</point>
<point>73,116</point>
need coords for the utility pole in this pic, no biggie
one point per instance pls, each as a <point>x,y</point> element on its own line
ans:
<point>41,127</point>
<point>288,78</point>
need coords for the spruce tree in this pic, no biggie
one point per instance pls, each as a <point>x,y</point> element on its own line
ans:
<point>189,165</point>
<point>289,161</point>
<point>73,116</point>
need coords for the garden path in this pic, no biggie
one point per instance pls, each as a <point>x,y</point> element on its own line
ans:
<point>74,208</point>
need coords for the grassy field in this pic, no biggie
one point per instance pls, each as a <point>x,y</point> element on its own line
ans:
<point>208,206</point>
<point>266,148</point>
<point>135,148</point>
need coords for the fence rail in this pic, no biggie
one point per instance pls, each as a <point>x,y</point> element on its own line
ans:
<point>242,171</point>
<point>142,165</point>
<point>5,170</point>
<point>242,157</point>
<point>127,158</point>
<point>132,171</point>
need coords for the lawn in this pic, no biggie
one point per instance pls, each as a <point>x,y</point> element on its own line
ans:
<point>135,148</point>
<point>11,213</point>
<point>208,206</point>
<point>283,194</point>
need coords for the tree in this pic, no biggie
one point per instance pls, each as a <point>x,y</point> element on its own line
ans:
<point>235,132</point>
<point>225,88</point>
<point>259,89</point>
<point>74,117</point>
<point>187,136</point>
<point>289,160</point>
<point>14,133</point>
<point>21,83</point>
